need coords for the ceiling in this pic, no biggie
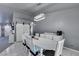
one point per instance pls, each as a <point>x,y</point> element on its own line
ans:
<point>33,9</point>
<point>24,7</point>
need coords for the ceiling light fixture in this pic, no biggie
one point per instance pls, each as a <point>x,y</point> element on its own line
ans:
<point>39,17</point>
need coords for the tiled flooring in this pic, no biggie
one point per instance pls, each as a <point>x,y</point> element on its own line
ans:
<point>3,43</point>
<point>17,49</point>
<point>68,52</point>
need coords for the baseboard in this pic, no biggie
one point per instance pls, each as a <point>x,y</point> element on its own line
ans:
<point>72,49</point>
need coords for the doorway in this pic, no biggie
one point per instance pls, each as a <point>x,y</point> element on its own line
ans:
<point>4,38</point>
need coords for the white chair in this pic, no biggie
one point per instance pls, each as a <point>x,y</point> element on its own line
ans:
<point>44,43</point>
<point>56,52</point>
<point>31,48</point>
<point>53,46</point>
<point>59,48</point>
<point>47,44</point>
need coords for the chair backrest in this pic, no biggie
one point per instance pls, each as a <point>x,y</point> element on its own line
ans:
<point>46,43</point>
<point>47,35</point>
<point>59,47</point>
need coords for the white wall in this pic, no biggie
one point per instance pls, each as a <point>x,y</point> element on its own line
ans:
<point>20,17</point>
<point>67,20</point>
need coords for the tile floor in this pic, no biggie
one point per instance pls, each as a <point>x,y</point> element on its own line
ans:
<point>17,49</point>
<point>68,52</point>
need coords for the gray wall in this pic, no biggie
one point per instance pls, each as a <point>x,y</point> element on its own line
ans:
<point>67,20</point>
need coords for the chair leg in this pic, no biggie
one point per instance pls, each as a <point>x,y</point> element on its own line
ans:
<point>41,52</point>
<point>29,52</point>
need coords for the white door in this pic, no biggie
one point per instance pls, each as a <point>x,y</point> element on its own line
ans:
<point>19,32</point>
<point>26,29</point>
